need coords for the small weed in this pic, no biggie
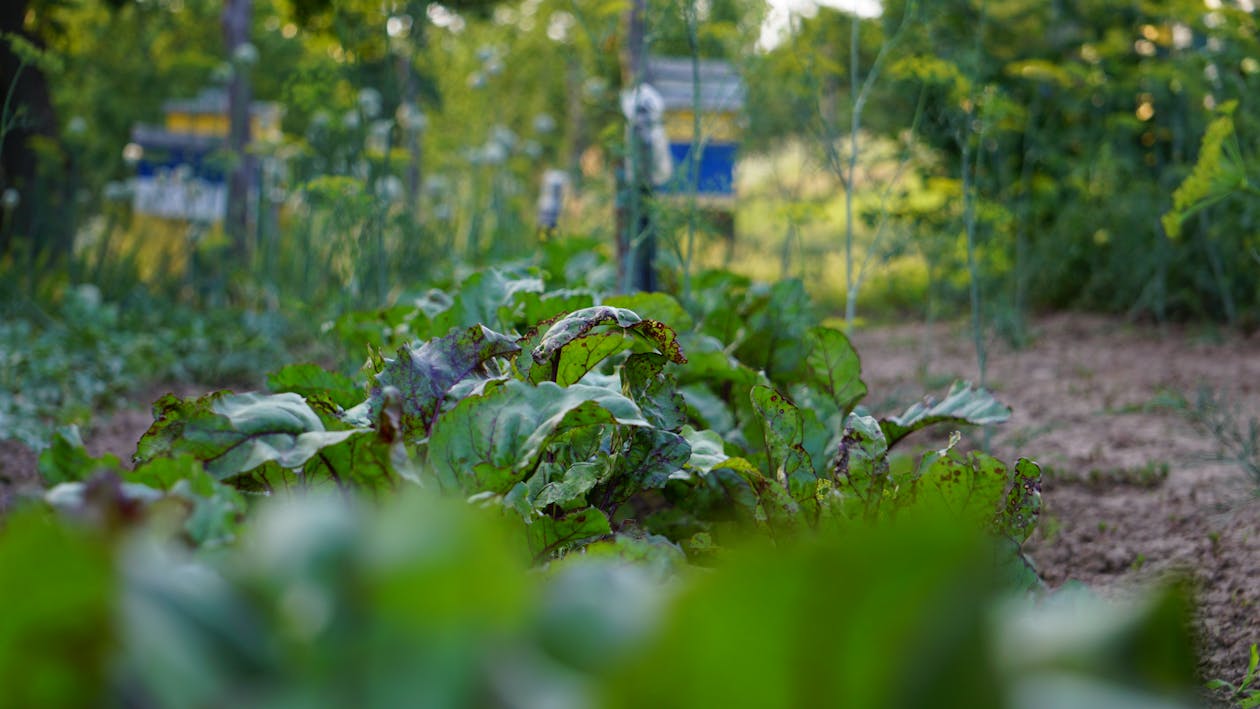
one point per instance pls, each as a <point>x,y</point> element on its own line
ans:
<point>1214,539</point>
<point>1149,475</point>
<point>1050,528</point>
<point>1146,476</point>
<point>1243,695</point>
<point>1138,562</point>
<point>1237,436</point>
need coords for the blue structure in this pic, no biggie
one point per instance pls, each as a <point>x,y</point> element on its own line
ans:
<point>721,97</point>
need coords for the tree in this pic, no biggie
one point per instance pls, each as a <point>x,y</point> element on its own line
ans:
<point>28,115</point>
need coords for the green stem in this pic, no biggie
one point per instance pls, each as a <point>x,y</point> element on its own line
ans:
<point>696,152</point>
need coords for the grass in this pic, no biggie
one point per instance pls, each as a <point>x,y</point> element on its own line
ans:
<point>790,219</point>
<point>1149,475</point>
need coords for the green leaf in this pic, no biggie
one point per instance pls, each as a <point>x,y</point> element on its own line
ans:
<point>831,622</point>
<point>314,383</point>
<point>973,488</point>
<point>165,473</point>
<point>707,408</point>
<point>549,535</point>
<point>654,391</point>
<point>729,491</point>
<point>216,518</point>
<point>707,449</point>
<point>655,554</point>
<point>710,366</point>
<point>493,440</point>
<point>776,321</point>
<point>716,297</point>
<point>67,460</point>
<point>577,343</point>
<point>645,461</point>
<point>661,307</point>
<point>360,331</point>
<point>776,510</point>
<point>480,297</point>
<point>362,461</point>
<point>963,405</point>
<point>1019,514</point>
<point>424,375</point>
<point>833,368</point>
<point>235,433</point>
<point>216,509</point>
<point>574,484</point>
<point>528,309</point>
<point>783,432</point>
<point>859,468</point>
<point>58,632</point>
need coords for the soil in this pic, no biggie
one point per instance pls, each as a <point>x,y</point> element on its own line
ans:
<point>1133,493</point>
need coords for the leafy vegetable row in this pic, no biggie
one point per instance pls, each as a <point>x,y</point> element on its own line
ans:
<point>588,420</point>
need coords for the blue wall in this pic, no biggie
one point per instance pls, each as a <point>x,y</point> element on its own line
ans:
<point>717,169</point>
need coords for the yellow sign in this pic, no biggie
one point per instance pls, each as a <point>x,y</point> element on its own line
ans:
<point>714,127</point>
<point>265,125</point>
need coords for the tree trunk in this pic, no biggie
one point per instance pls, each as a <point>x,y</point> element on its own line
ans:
<point>29,114</point>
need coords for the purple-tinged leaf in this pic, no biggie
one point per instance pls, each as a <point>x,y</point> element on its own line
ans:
<point>645,381</point>
<point>578,342</point>
<point>549,535</point>
<point>491,441</point>
<point>425,374</point>
<point>1018,516</point>
<point>859,468</point>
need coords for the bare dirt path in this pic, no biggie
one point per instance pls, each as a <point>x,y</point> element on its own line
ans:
<point>1133,493</point>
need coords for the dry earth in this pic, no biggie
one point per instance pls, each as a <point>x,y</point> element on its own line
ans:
<point>1085,394</point>
<point>1089,397</point>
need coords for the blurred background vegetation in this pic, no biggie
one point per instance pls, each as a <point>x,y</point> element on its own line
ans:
<point>918,159</point>
<point>909,161</point>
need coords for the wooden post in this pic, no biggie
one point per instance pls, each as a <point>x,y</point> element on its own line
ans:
<point>235,18</point>
<point>635,246</point>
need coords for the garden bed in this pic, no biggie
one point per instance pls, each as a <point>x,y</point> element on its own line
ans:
<point>1132,493</point>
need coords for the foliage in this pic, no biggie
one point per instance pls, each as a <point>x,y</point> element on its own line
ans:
<point>83,356</point>
<point>330,600</point>
<point>1235,432</point>
<point>614,443</point>
<point>1078,121</point>
<point>314,546</point>
<point>1219,173</point>
<point>1243,694</point>
<point>578,423</point>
